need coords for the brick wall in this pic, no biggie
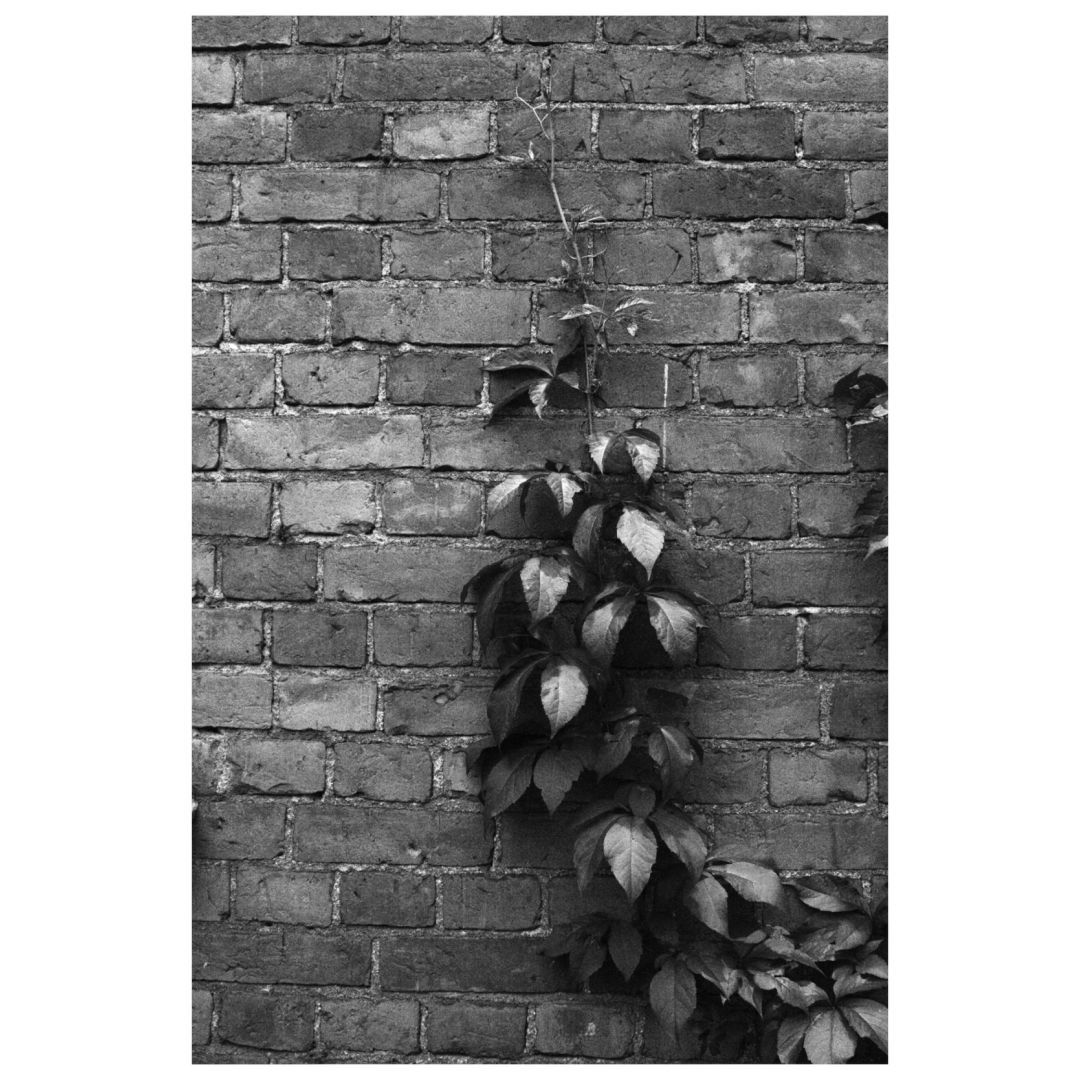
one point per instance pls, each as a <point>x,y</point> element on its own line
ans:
<point>360,246</point>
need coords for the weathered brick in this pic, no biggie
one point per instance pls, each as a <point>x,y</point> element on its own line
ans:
<point>232,31</point>
<point>278,315</point>
<point>326,506</point>
<point>726,776</point>
<point>518,127</point>
<point>754,380</point>
<point>825,367</point>
<point>209,892</point>
<point>441,378</point>
<point>481,903</point>
<point>821,77</point>
<point>541,29</point>
<point>333,637</point>
<point>870,196</point>
<point>626,74</point>
<point>230,136</point>
<point>391,1025</point>
<point>750,643</point>
<point>630,135</point>
<point>588,1030</point>
<point>432,506</point>
<point>437,256</point>
<point>747,255</point>
<point>401,572</point>
<point>452,709</point>
<point>835,255</point>
<point>650,29</point>
<point>846,643</point>
<point>456,778</point>
<point>343,29</point>
<point>500,965</point>
<point>475,1028</point>
<point>567,902</point>
<point>657,257</point>
<point>748,135</point>
<point>813,317</point>
<point>278,766</point>
<point>442,134</point>
<point>202,1007</point>
<point>761,444</point>
<point>339,195</point>
<point>221,636</point>
<point>241,509</point>
<point>269,572</point>
<point>716,575</point>
<point>850,29</point>
<point>644,381</point>
<point>804,841</point>
<point>523,194</point>
<point>831,509</point>
<point>736,194</point>
<point>265,1020</point>
<point>207,318</point>
<point>330,378</point>
<point>383,771</point>
<point>450,316</point>
<point>232,381</point>
<point>532,256</point>
<point>230,699</point>
<point>536,841</point>
<point>883,774</point>
<point>453,76</point>
<point>324,442</point>
<point>741,709</point>
<point>288,78</point>
<point>340,702</point>
<point>860,710</point>
<point>752,511</point>
<point>239,830</point>
<point>428,639</point>
<point>212,79</point>
<point>407,837</point>
<point>211,196</point>
<point>817,776</point>
<point>276,954</point>
<point>334,255</point>
<point>284,896</point>
<point>446,30</point>
<point>870,446</point>
<point>206,764</point>
<point>823,578</point>
<point>511,444</point>
<point>202,569</point>
<point>751,29</point>
<point>336,134</point>
<point>854,136</point>
<point>372,898</point>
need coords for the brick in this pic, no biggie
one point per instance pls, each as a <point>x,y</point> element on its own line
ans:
<point>237,953</point>
<point>330,378</point>
<point>846,643</point>
<point>860,710</point>
<point>427,639</point>
<point>339,195</point>
<point>817,776</point>
<point>288,78</point>
<point>401,572</point>
<point>278,315</point>
<point>522,194</point>
<point>202,1007</point>
<point>751,29</point>
<point>324,442</point>
<point>269,572</point>
<point>474,1028</point>
<point>433,506</point>
<point>567,902</point>
<point>644,381</point>
<point>383,771</point>
<point>232,31</point>
<point>207,318</point>
<point>406,837</point>
<point>241,509</point>
<point>441,135</point>
<point>239,830</point>
<point>327,506</point>
<point>830,509</point>
<point>437,256</point>
<point>373,898</point>
<point>870,196</point>
<point>761,444</point>
<point>209,892</point>
<point>478,903</point>
<point>849,29</point>
<point>268,1021</point>
<point>206,763</point>
<point>823,578</point>
<point>510,444</point>
<point>334,255</point>
<point>851,136</point>
<point>336,134</point>
<point>747,135</point>
<point>211,196</point>
<point>325,702</point>
<point>330,637</point>
<point>737,194</point>
<point>456,778</point>
<point>221,636</point>
<point>650,29</point>
<point>726,776</point>
<point>825,367</point>
<point>533,256</point>
<point>228,136</point>
<point>536,841</point>
<point>631,75</point>
<point>450,76</point>
<point>747,255</point>
<point>870,447</point>
<point>278,766</point>
<point>627,135</point>
<point>754,380</point>
<point>202,570</point>
<point>813,317</point>
<point>716,575</point>
<point>589,1030</point>
<point>212,79</point>
<point>821,77</point>
<point>797,840</point>
<point>750,643</point>
<point>500,965</point>
<point>657,257</point>
<point>750,511</point>
<point>232,381</point>
<point>572,128</point>
<point>284,896</point>
<point>450,316</point>
<point>883,775</point>
<point>230,699</point>
<point>541,29</point>
<point>391,1026</point>
<point>743,709</point>
<point>452,709</point>
<point>441,378</point>
<point>834,255</point>
<point>446,30</point>
<point>343,29</point>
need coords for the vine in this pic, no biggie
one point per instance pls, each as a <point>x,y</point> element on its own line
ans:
<point>736,963</point>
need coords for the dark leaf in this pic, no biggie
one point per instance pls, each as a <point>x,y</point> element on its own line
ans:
<point>531,362</point>
<point>705,960</point>
<point>509,779</point>
<point>828,1039</point>
<point>630,849</point>
<point>846,932</point>
<point>681,837</point>
<point>624,945</point>
<point>670,748</point>
<point>554,774</point>
<point>856,390</point>
<point>587,959</point>
<point>641,800</point>
<point>589,849</point>
<point>516,394</point>
<point>615,748</point>
<point>505,699</point>
<point>789,1039</point>
<point>673,994</point>
<point>587,531</point>
<point>824,892</point>
<point>488,608</point>
<point>869,1019</point>
<point>708,902</point>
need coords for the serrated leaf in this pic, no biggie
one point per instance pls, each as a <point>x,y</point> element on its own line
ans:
<point>544,581</point>
<point>707,901</point>
<point>753,882</point>
<point>589,848</point>
<point>630,849</point>
<point>509,779</point>
<point>641,536</point>
<point>587,531</point>
<point>631,302</point>
<point>601,629</point>
<point>503,493</point>
<point>826,893</point>
<point>644,455</point>
<point>554,774</point>
<point>800,995</point>
<point>828,1039</point>
<point>624,945</point>
<point>563,690</point>
<point>563,488</point>
<point>676,625</point>
<point>598,445</point>
<point>581,311</point>
<point>869,1019</point>
<point>789,1038</point>
<point>673,994</point>
<point>505,699</point>
<point>681,838</point>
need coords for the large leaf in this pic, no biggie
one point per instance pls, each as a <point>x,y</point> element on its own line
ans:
<point>563,488</point>
<point>676,624</point>
<point>598,445</point>
<point>602,626</point>
<point>847,931</point>
<point>630,849</point>
<point>505,698</point>
<point>706,960</point>
<point>673,994</point>
<point>554,774</point>
<point>624,944</point>
<point>613,752</point>
<point>544,580</point>
<point>502,494</point>
<point>708,901</point>
<point>589,849</point>
<point>641,536</point>
<point>587,531</point>
<point>801,995</point>
<point>824,892</point>
<point>752,882</point>
<point>509,779</point>
<point>644,454</point>
<point>829,1040</point>
<point>563,690</point>
<point>672,751</point>
<point>789,1038</point>
<point>681,837</point>
<point>869,1019</point>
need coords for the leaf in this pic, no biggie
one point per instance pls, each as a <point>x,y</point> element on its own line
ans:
<point>752,882</point>
<point>488,607</point>
<point>587,531</point>
<point>587,959</point>
<point>874,966</point>
<point>707,901</point>
<point>598,445</point>
<point>789,1038</point>
<point>824,892</point>
<point>613,752</point>
<point>828,1039</point>
<point>877,545</point>
<point>515,394</point>
<point>705,960</point>
<point>602,626</point>
<point>588,849</point>
<point>554,774</point>
<point>538,395</point>
<point>847,981</point>
<point>563,488</point>
<point>509,779</point>
<point>502,707</point>
<point>641,536</point>
<point>537,362</point>
<point>630,849</point>
<point>502,494</point>
<point>870,1020</point>
<point>563,690</point>
<point>670,748</point>
<point>582,311</point>
<point>631,302</point>
<point>624,945</point>
<point>644,455</point>
<point>641,800</point>
<point>847,932</point>
<point>681,838</point>
<point>673,994</point>
<point>800,995</point>
<point>676,624</point>
<point>544,580</point>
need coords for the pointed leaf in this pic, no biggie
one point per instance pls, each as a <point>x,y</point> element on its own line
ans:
<point>589,849</point>
<point>752,882</point>
<point>563,488</point>
<point>849,931</point>
<point>707,961</point>
<point>823,892</point>
<point>644,454</point>
<point>503,493</point>
<point>624,945</point>
<point>670,748</point>
<point>681,837</point>
<point>673,994</point>
<point>641,800</point>
<point>789,1038</point>
<point>708,902</point>
<point>828,1039</point>
<point>587,531</point>
<point>509,779</point>
<point>631,302</point>
<point>614,751</point>
<point>544,580</point>
<point>630,849</point>
<point>505,699</point>
<point>538,362</point>
<point>800,995</point>
<point>601,629</point>
<point>554,774</point>
<point>563,690</point>
<point>598,445</point>
<point>488,607</point>
<point>869,1019</point>
<point>641,536</point>
<point>676,624</point>
<point>538,395</point>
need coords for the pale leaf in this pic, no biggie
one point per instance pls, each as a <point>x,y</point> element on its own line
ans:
<point>563,488</point>
<point>563,690</point>
<point>630,849</point>
<point>544,581</point>
<point>503,493</point>
<point>601,629</point>
<point>641,536</point>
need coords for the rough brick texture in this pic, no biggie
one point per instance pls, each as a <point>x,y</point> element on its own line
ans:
<point>363,239</point>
